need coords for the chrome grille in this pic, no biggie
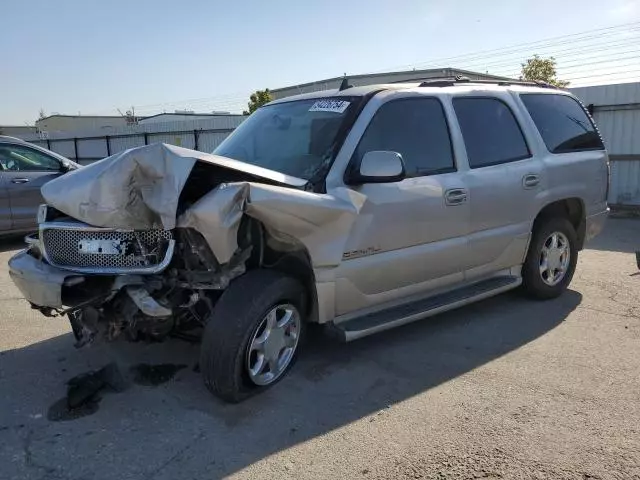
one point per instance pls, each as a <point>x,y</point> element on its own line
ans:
<point>140,250</point>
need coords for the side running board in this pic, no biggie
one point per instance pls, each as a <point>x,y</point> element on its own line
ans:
<point>409,312</point>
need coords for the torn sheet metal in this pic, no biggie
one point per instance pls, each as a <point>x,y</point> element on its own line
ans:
<point>217,217</point>
<point>140,187</point>
<point>321,222</point>
<point>135,189</point>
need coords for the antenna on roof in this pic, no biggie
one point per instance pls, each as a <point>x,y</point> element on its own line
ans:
<point>345,84</point>
<point>129,116</point>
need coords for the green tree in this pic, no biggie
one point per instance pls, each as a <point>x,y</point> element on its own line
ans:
<point>541,69</point>
<point>257,99</point>
<point>42,114</point>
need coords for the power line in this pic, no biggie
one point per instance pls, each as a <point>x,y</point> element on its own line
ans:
<point>498,58</point>
<point>597,33</point>
<point>192,100</point>
<point>604,81</point>
<point>559,55</point>
<point>564,71</point>
<point>561,41</point>
<point>580,52</point>
<point>594,76</point>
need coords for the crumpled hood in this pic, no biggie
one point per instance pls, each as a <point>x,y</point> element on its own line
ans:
<point>140,189</point>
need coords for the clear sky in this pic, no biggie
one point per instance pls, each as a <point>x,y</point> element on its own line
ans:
<point>87,56</point>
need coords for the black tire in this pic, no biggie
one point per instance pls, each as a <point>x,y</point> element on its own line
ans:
<point>232,324</point>
<point>532,283</point>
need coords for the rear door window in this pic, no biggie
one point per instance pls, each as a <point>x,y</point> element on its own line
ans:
<point>491,133</point>
<point>562,123</point>
<point>417,129</point>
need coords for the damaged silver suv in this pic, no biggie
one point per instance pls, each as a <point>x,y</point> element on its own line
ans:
<point>361,209</point>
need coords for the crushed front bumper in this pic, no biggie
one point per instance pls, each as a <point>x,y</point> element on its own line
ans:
<point>40,283</point>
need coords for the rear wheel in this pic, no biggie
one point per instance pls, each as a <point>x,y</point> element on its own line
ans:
<point>253,334</point>
<point>551,259</point>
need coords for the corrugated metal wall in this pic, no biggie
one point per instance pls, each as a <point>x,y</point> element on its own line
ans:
<point>89,146</point>
<point>616,111</point>
<point>620,130</point>
<point>625,185</point>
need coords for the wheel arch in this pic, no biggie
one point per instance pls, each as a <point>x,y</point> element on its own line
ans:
<point>572,209</point>
<point>277,251</point>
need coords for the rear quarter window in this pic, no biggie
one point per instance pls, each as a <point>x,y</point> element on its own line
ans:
<point>562,122</point>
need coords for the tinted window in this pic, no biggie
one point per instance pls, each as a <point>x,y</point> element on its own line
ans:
<point>562,122</point>
<point>490,131</point>
<point>21,159</point>
<point>416,128</point>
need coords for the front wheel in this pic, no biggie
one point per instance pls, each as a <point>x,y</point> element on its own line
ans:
<point>252,336</point>
<point>551,259</point>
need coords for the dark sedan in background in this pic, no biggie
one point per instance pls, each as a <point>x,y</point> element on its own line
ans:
<point>24,168</point>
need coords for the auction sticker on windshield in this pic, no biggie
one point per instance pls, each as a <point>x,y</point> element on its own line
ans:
<point>336,106</point>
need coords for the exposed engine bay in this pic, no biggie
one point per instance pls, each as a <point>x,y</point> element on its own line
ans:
<point>143,243</point>
<point>152,300</point>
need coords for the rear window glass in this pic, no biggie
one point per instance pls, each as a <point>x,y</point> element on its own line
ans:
<point>490,131</point>
<point>562,122</point>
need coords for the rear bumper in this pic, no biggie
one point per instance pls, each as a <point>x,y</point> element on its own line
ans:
<point>40,283</point>
<point>595,224</point>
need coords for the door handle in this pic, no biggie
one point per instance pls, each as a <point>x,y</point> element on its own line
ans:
<point>20,180</point>
<point>530,180</point>
<point>455,196</point>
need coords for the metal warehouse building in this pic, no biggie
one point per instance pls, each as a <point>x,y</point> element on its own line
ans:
<point>616,110</point>
<point>374,78</point>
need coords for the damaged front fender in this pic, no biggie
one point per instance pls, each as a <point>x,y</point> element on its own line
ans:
<point>141,189</point>
<point>321,222</point>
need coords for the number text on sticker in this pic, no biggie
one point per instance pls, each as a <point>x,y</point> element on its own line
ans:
<point>337,106</point>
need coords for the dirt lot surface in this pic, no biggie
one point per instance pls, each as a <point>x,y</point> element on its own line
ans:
<point>506,388</point>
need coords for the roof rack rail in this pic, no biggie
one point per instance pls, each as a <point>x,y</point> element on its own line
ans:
<point>458,79</point>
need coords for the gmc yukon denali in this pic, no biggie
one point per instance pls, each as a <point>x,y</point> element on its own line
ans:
<point>361,209</point>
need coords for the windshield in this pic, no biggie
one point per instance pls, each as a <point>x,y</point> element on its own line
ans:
<point>295,138</point>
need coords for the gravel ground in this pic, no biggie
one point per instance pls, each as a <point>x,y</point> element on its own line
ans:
<point>506,388</point>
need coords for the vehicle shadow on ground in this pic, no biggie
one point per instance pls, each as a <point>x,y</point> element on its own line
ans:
<point>623,235</point>
<point>178,430</point>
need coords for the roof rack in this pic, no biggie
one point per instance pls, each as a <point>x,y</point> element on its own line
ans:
<point>459,79</point>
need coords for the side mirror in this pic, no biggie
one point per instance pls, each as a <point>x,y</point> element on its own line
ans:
<point>379,167</point>
<point>66,167</point>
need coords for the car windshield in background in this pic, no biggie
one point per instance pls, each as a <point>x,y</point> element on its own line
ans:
<point>295,138</point>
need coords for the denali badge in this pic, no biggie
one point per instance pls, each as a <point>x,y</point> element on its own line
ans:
<point>104,247</point>
<point>363,252</point>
